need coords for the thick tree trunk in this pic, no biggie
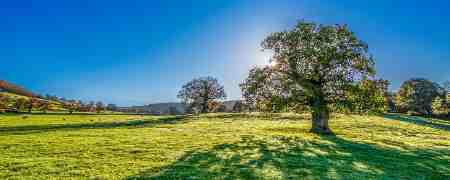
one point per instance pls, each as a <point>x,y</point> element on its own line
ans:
<point>204,107</point>
<point>320,117</point>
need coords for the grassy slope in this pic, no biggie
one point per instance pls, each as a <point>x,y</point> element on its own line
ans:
<point>56,106</point>
<point>227,145</point>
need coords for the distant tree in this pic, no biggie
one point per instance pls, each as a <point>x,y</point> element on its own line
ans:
<point>416,95</point>
<point>44,106</point>
<point>91,106</point>
<point>316,65</point>
<point>99,107</point>
<point>112,107</point>
<point>72,106</point>
<point>200,92</point>
<point>4,102</point>
<point>32,102</point>
<point>20,104</point>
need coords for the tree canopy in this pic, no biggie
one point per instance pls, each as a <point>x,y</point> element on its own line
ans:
<point>200,92</point>
<point>417,95</point>
<point>315,65</point>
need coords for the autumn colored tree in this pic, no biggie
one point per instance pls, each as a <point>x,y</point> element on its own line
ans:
<point>200,92</point>
<point>72,106</point>
<point>317,65</point>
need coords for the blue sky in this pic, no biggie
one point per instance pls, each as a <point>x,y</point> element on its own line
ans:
<point>139,52</point>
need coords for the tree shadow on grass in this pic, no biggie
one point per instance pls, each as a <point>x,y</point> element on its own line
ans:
<point>282,157</point>
<point>31,129</point>
<point>262,116</point>
<point>437,124</point>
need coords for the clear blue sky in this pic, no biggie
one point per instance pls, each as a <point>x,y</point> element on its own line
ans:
<point>139,52</point>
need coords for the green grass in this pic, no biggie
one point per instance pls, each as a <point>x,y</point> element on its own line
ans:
<point>222,146</point>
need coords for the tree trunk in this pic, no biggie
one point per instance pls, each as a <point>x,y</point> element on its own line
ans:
<point>204,107</point>
<point>320,117</point>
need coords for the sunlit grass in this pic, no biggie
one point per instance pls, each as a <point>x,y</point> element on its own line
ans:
<point>235,146</point>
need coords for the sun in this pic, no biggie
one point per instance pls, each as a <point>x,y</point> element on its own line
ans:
<point>273,63</point>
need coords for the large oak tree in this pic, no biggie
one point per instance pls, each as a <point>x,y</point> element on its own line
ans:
<point>317,65</point>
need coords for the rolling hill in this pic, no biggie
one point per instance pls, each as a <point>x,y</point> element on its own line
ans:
<point>15,89</point>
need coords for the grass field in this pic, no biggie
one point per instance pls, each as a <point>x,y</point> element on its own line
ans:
<point>222,146</point>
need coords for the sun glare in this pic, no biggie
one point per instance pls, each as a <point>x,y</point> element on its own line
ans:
<point>273,63</point>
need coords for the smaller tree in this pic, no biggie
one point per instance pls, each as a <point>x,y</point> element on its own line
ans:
<point>91,106</point>
<point>44,106</point>
<point>99,107</point>
<point>417,95</point>
<point>199,93</point>
<point>20,104</point>
<point>4,102</point>
<point>72,106</point>
<point>32,102</point>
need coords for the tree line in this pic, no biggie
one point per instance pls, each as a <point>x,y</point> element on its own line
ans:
<point>48,103</point>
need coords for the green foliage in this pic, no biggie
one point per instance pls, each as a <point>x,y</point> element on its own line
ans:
<point>199,93</point>
<point>417,95</point>
<point>221,146</point>
<point>369,96</point>
<point>313,65</point>
<point>439,106</point>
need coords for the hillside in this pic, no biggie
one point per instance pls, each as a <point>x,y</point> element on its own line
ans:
<point>15,89</point>
<point>221,146</point>
<point>160,108</point>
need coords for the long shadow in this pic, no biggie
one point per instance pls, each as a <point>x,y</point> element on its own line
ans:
<point>269,116</point>
<point>31,129</point>
<point>295,158</point>
<point>419,121</point>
